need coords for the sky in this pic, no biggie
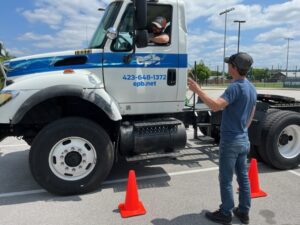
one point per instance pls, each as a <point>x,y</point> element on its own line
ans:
<point>38,26</point>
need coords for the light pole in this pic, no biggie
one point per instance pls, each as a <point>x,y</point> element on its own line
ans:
<point>239,33</point>
<point>287,54</point>
<point>221,13</point>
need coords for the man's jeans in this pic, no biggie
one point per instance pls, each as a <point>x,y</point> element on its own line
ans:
<point>233,157</point>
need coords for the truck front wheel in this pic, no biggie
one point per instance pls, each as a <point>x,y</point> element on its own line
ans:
<point>71,156</point>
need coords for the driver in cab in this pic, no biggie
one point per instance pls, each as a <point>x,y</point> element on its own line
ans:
<point>158,36</point>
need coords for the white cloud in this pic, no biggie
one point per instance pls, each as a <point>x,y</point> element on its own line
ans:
<point>35,37</point>
<point>17,51</point>
<point>72,23</point>
<point>45,15</point>
<point>278,33</point>
<point>255,15</point>
<point>198,8</point>
<point>268,26</point>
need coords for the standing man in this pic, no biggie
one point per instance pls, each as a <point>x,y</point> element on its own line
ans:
<point>238,105</point>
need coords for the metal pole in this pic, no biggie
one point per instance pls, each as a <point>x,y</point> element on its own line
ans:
<point>287,55</point>
<point>238,50</point>
<point>221,13</point>
<point>194,106</point>
<point>239,32</point>
<point>224,50</point>
<point>86,37</point>
<point>217,74</point>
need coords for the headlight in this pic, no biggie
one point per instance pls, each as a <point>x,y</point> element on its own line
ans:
<point>6,96</point>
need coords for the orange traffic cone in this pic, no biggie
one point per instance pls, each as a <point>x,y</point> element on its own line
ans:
<point>132,205</point>
<point>254,182</point>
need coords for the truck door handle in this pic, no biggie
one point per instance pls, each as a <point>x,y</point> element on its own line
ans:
<point>171,81</point>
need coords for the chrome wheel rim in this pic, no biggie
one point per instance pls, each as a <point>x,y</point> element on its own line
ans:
<point>72,158</point>
<point>289,142</point>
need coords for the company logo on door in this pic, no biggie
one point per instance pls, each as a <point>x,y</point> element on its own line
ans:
<point>148,60</point>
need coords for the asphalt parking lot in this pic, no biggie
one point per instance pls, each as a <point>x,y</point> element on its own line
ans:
<point>175,190</point>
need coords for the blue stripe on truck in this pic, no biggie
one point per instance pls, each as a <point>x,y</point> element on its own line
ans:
<point>98,60</point>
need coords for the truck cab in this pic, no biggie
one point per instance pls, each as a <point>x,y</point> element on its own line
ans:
<point>153,77</point>
<point>79,110</point>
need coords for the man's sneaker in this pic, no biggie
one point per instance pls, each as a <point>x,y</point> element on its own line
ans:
<point>219,217</point>
<point>244,217</point>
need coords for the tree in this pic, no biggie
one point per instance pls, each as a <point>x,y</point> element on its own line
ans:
<point>3,58</point>
<point>6,57</point>
<point>216,73</point>
<point>202,72</point>
<point>260,74</point>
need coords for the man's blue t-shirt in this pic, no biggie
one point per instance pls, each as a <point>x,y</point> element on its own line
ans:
<point>241,97</point>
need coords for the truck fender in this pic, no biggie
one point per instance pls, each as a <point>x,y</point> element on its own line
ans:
<point>97,96</point>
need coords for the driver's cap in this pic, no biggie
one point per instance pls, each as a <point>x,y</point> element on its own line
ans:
<point>160,22</point>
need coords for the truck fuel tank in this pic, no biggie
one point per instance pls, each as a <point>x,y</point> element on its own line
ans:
<point>155,135</point>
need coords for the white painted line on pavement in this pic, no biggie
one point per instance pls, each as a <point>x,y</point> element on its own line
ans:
<point>11,146</point>
<point>294,172</point>
<point>23,193</point>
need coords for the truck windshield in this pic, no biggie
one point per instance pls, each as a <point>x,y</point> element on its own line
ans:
<point>107,21</point>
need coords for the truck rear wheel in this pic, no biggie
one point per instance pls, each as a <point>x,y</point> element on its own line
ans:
<point>282,142</point>
<point>71,156</point>
<point>259,152</point>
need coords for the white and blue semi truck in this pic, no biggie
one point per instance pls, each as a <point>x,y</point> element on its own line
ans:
<point>122,96</point>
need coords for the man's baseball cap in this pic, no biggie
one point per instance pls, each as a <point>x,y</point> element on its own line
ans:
<point>160,22</point>
<point>241,60</point>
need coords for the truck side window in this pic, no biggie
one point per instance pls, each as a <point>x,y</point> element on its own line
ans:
<point>155,11</point>
<point>124,40</point>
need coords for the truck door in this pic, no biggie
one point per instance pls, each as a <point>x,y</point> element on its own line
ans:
<point>145,81</point>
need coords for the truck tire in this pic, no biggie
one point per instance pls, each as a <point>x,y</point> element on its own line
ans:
<point>282,141</point>
<point>259,152</point>
<point>71,156</point>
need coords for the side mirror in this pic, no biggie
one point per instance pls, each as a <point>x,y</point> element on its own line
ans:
<point>141,34</point>
<point>140,14</point>
<point>111,33</point>
<point>141,38</point>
